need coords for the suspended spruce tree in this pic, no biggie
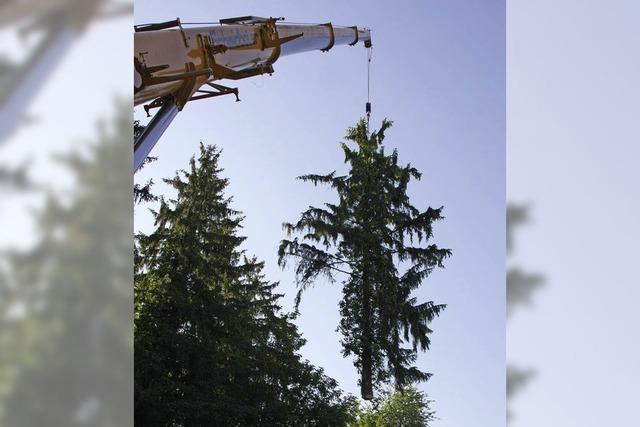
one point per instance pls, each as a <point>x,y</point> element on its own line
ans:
<point>366,236</point>
<point>211,346</point>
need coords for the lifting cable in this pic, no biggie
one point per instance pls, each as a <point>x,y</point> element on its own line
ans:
<point>368,104</point>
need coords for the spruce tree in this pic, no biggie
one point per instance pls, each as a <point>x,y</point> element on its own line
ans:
<point>211,345</point>
<point>367,235</point>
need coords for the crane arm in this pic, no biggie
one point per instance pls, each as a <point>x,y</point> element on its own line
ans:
<point>178,62</point>
<point>170,54</point>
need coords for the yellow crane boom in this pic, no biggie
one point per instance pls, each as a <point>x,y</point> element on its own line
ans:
<point>176,62</point>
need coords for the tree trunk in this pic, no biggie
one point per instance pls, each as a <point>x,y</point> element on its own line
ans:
<point>366,379</point>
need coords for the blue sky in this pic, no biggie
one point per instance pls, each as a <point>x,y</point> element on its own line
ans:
<point>438,72</point>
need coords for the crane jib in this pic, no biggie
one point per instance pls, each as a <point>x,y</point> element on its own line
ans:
<point>174,61</point>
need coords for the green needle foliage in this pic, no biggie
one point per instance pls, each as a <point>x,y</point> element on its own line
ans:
<point>211,346</point>
<point>370,232</point>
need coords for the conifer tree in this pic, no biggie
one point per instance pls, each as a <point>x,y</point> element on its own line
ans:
<point>211,345</point>
<point>142,193</point>
<point>370,232</point>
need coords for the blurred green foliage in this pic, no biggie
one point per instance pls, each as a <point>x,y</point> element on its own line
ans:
<point>66,342</point>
